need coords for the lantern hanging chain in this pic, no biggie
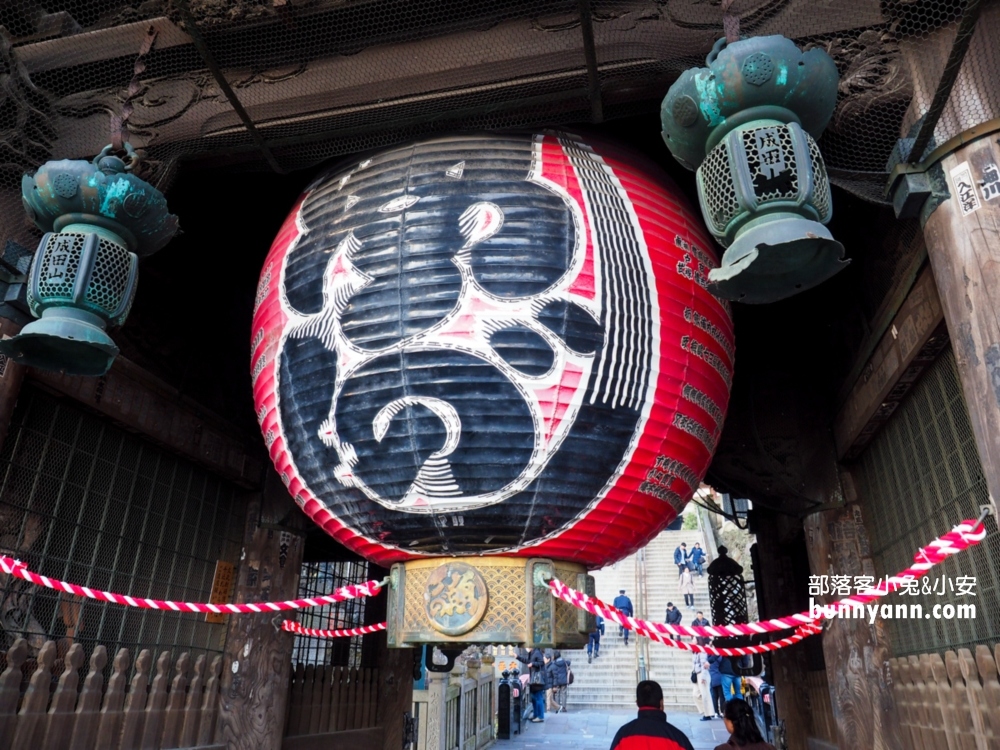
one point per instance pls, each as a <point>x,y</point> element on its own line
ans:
<point>191,26</point>
<point>966,534</point>
<point>291,626</point>
<point>119,121</point>
<point>354,591</point>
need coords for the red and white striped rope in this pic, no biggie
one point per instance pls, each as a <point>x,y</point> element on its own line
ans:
<point>966,534</point>
<point>19,570</point>
<point>802,631</point>
<point>293,627</point>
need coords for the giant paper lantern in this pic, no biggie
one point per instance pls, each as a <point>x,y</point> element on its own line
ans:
<point>492,345</point>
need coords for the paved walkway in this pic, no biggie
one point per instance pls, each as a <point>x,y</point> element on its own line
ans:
<point>589,729</point>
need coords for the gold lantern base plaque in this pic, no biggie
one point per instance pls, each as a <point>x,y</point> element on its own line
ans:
<point>502,600</point>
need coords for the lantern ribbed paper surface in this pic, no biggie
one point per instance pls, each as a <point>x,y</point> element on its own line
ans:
<point>492,345</point>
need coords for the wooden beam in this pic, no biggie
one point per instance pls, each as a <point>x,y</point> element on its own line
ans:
<point>914,340</point>
<point>142,403</point>
<point>963,244</point>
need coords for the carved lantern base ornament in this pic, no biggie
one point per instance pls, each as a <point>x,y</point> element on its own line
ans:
<point>747,124</point>
<point>503,600</point>
<point>97,218</point>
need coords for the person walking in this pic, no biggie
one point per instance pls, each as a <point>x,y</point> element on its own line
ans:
<point>624,605</point>
<point>696,559</point>
<point>681,558</point>
<point>594,640</point>
<point>536,682</point>
<point>699,621</point>
<point>686,585</point>
<point>674,617</point>
<point>559,673</point>
<point>548,681</point>
<point>650,730</point>
<point>742,728</point>
<point>715,685</point>
<point>702,694</point>
<point>732,686</point>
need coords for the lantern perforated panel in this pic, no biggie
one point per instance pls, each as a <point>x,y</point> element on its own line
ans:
<point>491,344</point>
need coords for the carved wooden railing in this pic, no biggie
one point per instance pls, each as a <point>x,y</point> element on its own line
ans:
<point>174,706</point>
<point>949,703</point>
<point>456,711</point>
<point>331,699</point>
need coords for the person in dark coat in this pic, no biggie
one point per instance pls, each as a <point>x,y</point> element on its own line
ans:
<point>674,617</point>
<point>650,730</point>
<point>624,605</point>
<point>536,685</point>
<point>716,685</point>
<point>700,622</point>
<point>696,560</point>
<point>594,640</point>
<point>559,678</point>
<point>681,558</point>
<point>742,727</point>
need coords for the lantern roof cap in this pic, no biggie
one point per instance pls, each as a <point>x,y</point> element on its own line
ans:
<point>724,565</point>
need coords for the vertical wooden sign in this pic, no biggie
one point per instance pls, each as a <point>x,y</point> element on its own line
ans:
<point>222,588</point>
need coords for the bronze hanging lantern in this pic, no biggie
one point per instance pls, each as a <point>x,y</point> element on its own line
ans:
<point>98,219</point>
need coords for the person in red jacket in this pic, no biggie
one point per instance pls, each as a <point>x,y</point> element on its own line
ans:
<point>650,731</point>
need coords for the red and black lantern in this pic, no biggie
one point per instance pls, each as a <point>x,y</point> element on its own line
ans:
<point>492,345</point>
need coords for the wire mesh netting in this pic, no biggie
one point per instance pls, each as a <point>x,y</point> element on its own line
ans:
<point>290,83</point>
<point>319,578</point>
<point>919,476</point>
<point>85,502</point>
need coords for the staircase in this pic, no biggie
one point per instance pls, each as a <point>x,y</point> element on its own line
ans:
<point>609,682</point>
<point>671,667</point>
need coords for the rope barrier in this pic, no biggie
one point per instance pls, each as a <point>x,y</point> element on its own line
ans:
<point>293,627</point>
<point>966,534</point>
<point>355,591</point>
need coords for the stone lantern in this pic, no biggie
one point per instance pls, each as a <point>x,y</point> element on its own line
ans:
<point>727,595</point>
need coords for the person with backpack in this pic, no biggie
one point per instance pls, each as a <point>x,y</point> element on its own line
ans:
<point>536,682</point>
<point>742,727</point>
<point>559,677</point>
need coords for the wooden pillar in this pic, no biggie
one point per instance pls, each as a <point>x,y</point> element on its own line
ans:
<point>963,244</point>
<point>11,377</point>
<point>395,672</point>
<point>257,662</point>
<point>856,652</point>
<point>779,594</point>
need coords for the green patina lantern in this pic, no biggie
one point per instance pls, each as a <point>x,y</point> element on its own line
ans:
<point>747,123</point>
<point>97,218</point>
